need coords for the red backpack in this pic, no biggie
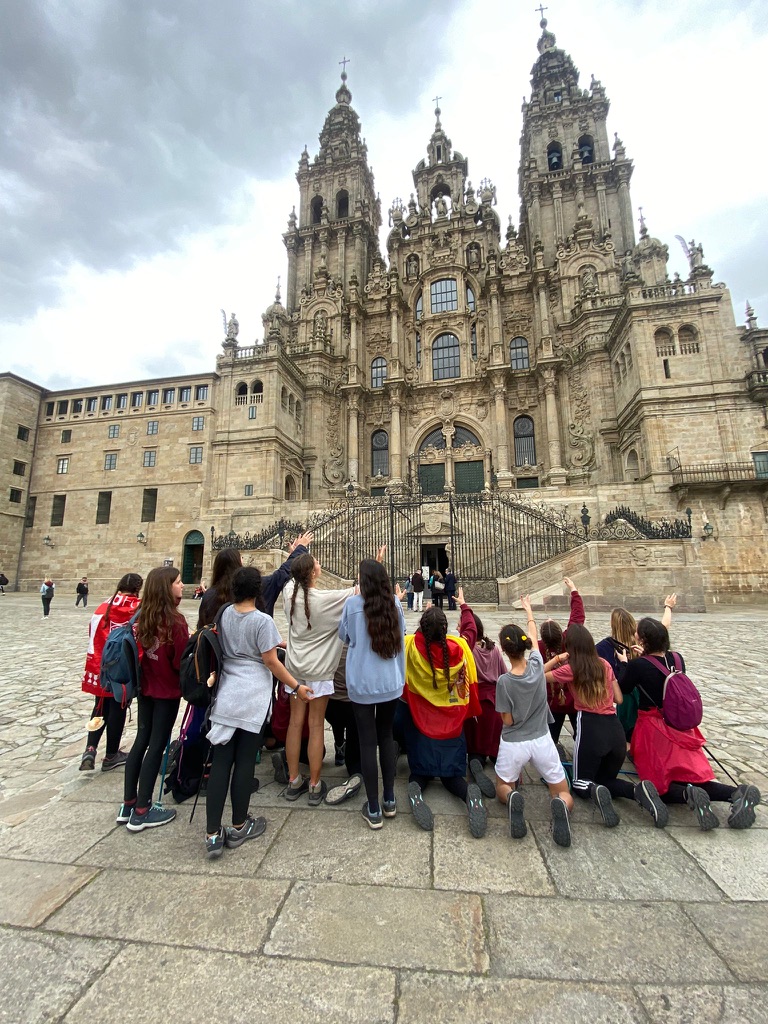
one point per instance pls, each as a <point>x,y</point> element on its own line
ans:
<point>681,705</point>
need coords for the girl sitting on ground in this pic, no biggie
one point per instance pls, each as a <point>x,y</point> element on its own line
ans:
<point>484,732</point>
<point>521,699</point>
<point>600,747</point>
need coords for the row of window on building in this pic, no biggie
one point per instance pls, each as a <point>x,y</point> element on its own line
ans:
<point>125,400</point>
<point>103,508</point>
<point>149,459</point>
<point>446,358</point>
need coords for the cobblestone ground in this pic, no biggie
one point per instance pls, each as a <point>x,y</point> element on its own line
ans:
<point>323,920</point>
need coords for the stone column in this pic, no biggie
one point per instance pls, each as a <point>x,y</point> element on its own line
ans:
<point>448,432</point>
<point>395,440</point>
<point>353,439</point>
<point>557,474</point>
<point>342,238</point>
<point>625,211</point>
<point>487,469</point>
<point>291,298</point>
<point>308,262</point>
<point>503,474</point>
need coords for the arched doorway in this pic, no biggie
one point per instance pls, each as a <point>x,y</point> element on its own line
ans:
<point>192,558</point>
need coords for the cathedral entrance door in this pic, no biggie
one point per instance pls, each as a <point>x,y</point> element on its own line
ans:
<point>192,559</point>
<point>434,556</point>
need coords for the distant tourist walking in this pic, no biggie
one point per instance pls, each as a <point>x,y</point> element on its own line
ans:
<point>82,592</point>
<point>3,582</point>
<point>162,634</point>
<point>417,582</point>
<point>107,713</point>
<point>46,595</point>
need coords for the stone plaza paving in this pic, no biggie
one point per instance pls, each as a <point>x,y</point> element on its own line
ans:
<point>322,919</point>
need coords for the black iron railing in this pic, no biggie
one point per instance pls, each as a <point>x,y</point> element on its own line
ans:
<point>664,529</point>
<point>716,472</point>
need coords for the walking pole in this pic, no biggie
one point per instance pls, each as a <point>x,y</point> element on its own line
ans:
<point>165,769</point>
<point>710,754</point>
<point>200,783</point>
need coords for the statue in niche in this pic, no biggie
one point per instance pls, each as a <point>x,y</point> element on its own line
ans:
<point>320,325</point>
<point>412,267</point>
<point>441,207</point>
<point>588,281</point>
<point>474,257</point>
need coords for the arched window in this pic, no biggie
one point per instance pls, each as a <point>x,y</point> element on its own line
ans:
<point>587,149</point>
<point>419,307</point>
<point>443,295</point>
<point>241,394</point>
<point>291,404</point>
<point>291,492</point>
<point>665,342</point>
<point>436,440</point>
<point>445,357</point>
<point>462,436</point>
<point>317,209</point>
<point>473,339</point>
<point>688,339</point>
<point>554,157</point>
<point>470,300</point>
<point>298,410</point>
<point>418,348</point>
<point>518,354</point>
<point>525,442</point>
<point>633,465</point>
<point>342,204</point>
<point>378,372</point>
<point>284,398</point>
<point>379,453</point>
<point>257,388</point>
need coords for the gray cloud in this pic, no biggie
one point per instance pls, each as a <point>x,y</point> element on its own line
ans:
<point>126,125</point>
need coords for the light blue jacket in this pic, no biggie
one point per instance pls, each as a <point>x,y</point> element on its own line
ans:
<point>371,679</point>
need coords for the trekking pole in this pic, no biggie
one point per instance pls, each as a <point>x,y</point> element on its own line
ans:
<point>710,754</point>
<point>165,769</point>
<point>200,783</point>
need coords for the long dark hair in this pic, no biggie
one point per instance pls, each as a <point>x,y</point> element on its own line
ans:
<point>434,625</point>
<point>225,565</point>
<point>302,569</point>
<point>653,635</point>
<point>552,636</point>
<point>379,608</point>
<point>131,583</point>
<point>482,639</point>
<point>586,666</point>
<point>159,612</point>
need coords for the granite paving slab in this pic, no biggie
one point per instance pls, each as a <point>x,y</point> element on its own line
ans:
<point>185,910</point>
<point>43,974</point>
<point>426,999</point>
<point>705,1004</point>
<point>735,860</point>
<point>32,890</point>
<point>193,985</point>
<point>624,863</point>
<point>62,832</point>
<point>739,933</point>
<point>578,940</point>
<point>382,926</point>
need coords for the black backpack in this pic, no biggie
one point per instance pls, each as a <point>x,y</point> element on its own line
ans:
<point>201,656</point>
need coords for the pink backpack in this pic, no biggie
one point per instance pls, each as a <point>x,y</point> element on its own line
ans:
<point>681,702</point>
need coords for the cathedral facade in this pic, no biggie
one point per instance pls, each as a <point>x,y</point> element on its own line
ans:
<point>552,359</point>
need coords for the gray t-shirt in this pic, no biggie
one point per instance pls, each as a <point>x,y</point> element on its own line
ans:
<point>245,687</point>
<point>525,698</point>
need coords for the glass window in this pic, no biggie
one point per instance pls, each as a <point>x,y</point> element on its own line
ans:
<point>103,507</point>
<point>14,495</point>
<point>462,436</point>
<point>436,440</point>
<point>122,401</point>
<point>77,405</point>
<point>470,300</point>
<point>168,395</point>
<point>473,339</point>
<point>152,426</point>
<point>525,442</point>
<point>378,372</point>
<point>444,295</point>
<point>110,460</point>
<point>66,436</point>
<point>57,509</point>
<point>62,465</point>
<point>198,422</point>
<point>113,430</point>
<point>445,357</point>
<point>251,412</point>
<point>248,490</point>
<point>419,308</point>
<point>418,348</point>
<point>432,478</point>
<point>22,433</point>
<point>91,404</point>
<point>19,468</point>
<point>153,397</point>
<point>469,477</point>
<point>29,522</point>
<point>49,408</point>
<point>150,458</point>
<point>196,455</point>
<point>760,460</point>
<point>201,393</point>
<point>526,482</point>
<point>149,505</point>
<point>106,403</point>
<point>137,399</point>
<point>518,354</point>
<point>185,394</point>
<point>379,453</point>
<point>63,406</point>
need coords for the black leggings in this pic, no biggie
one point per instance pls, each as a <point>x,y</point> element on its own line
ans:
<point>598,754</point>
<point>340,715</point>
<point>46,606</point>
<point>716,791</point>
<point>114,723</point>
<point>455,784</point>
<point>156,718</point>
<point>232,769</point>
<point>374,729</point>
<point>556,727</point>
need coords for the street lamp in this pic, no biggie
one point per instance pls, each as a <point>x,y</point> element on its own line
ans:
<point>585,519</point>
<point>47,541</point>
<point>141,539</point>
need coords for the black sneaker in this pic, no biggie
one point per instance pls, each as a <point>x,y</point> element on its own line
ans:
<point>251,829</point>
<point>424,817</point>
<point>88,760</point>
<point>214,845</point>
<point>478,813</point>
<point>515,808</point>
<point>601,798</point>
<point>338,758</point>
<point>375,819</point>
<point>280,764</point>
<point>389,807</point>
<point>561,826</point>
<point>292,792</point>
<point>698,801</point>
<point>153,817</point>
<point>648,797</point>
<point>743,803</point>
<point>486,785</point>
<point>317,793</point>
<point>118,761</point>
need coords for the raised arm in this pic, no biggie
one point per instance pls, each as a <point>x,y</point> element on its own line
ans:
<point>669,603</point>
<point>467,627</point>
<point>533,633</point>
<point>577,605</point>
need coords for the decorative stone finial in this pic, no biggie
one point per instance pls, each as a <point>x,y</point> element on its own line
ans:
<point>641,221</point>
<point>751,318</point>
<point>343,95</point>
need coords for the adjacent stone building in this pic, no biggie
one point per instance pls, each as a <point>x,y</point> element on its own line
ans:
<point>552,357</point>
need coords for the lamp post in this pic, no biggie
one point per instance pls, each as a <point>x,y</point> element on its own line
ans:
<point>47,541</point>
<point>141,539</point>
<point>585,519</point>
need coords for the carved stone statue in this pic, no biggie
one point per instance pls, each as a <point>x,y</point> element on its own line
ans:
<point>233,328</point>
<point>412,267</point>
<point>441,207</point>
<point>695,254</point>
<point>588,281</point>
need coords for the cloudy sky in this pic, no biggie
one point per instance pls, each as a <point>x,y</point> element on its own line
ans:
<point>149,147</point>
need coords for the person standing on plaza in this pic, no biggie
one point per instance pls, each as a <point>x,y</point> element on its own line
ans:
<point>409,593</point>
<point>373,625</point>
<point>3,582</point>
<point>417,581</point>
<point>450,588</point>
<point>107,713</point>
<point>82,592</point>
<point>312,654</point>
<point>162,633</point>
<point>437,588</point>
<point>249,641</point>
<point>46,595</point>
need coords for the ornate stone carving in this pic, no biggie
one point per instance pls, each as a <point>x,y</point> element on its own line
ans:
<point>334,473</point>
<point>582,447</point>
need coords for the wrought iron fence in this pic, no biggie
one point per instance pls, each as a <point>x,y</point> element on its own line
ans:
<point>621,520</point>
<point>273,536</point>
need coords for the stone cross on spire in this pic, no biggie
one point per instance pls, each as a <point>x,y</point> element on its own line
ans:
<point>541,10</point>
<point>344,63</point>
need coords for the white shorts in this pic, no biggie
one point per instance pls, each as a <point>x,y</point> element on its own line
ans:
<point>542,754</point>
<point>324,688</point>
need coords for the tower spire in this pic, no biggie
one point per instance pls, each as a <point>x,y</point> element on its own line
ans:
<point>343,95</point>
